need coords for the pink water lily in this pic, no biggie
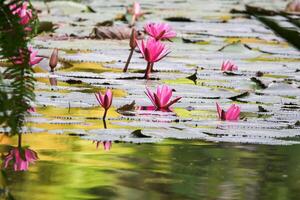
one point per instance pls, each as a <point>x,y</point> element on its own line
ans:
<point>229,66</point>
<point>33,58</point>
<point>135,11</point>
<point>23,12</point>
<point>106,144</point>
<point>160,31</point>
<point>162,98</point>
<point>232,114</point>
<point>152,51</point>
<point>293,6</point>
<point>20,158</point>
<point>105,100</point>
<point>31,109</point>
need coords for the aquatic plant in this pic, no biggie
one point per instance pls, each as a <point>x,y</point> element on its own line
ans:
<point>135,11</point>
<point>106,144</point>
<point>31,109</point>
<point>162,98</point>
<point>105,100</point>
<point>132,45</point>
<point>22,11</point>
<point>232,114</point>
<point>33,58</point>
<point>160,31</point>
<point>20,158</point>
<point>152,51</point>
<point>18,22</point>
<point>53,59</point>
<point>229,66</point>
<point>293,6</point>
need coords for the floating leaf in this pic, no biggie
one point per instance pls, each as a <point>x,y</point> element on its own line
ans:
<point>138,133</point>
<point>178,19</point>
<point>235,98</point>
<point>105,23</point>
<point>72,81</point>
<point>45,26</point>
<point>193,77</point>
<point>262,109</point>
<point>126,107</point>
<point>259,83</point>
<point>114,32</point>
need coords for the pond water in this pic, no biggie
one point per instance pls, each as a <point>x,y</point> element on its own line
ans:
<point>72,168</point>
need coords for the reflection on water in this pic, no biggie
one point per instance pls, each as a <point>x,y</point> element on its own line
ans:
<point>72,168</point>
<point>106,144</point>
<point>19,158</point>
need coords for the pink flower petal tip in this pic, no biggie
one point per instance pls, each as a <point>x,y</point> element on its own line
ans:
<point>162,98</point>
<point>229,66</point>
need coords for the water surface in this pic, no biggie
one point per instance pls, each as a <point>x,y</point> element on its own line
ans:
<point>72,168</point>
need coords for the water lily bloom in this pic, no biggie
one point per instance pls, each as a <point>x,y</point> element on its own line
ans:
<point>105,100</point>
<point>162,98</point>
<point>152,51</point>
<point>136,12</point>
<point>293,6</point>
<point>33,58</point>
<point>20,158</point>
<point>232,114</point>
<point>160,31</point>
<point>229,66</point>
<point>31,110</point>
<point>53,59</point>
<point>106,144</point>
<point>23,12</point>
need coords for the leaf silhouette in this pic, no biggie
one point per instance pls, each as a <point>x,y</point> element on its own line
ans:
<point>113,32</point>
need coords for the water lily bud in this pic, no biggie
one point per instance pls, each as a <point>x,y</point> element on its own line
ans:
<point>53,59</point>
<point>132,42</point>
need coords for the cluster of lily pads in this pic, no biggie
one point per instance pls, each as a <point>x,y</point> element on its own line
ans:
<point>153,50</point>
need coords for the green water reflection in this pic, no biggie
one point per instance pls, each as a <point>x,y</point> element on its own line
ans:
<point>72,168</point>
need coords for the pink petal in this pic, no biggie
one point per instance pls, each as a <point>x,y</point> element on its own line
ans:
<point>150,96</point>
<point>219,110</point>
<point>157,101</point>
<point>167,94</point>
<point>230,111</point>
<point>172,102</point>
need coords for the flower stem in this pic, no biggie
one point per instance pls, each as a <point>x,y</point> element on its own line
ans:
<point>152,67</point>
<point>104,124</point>
<point>148,70</point>
<point>128,60</point>
<point>133,19</point>
<point>104,115</point>
<point>19,140</point>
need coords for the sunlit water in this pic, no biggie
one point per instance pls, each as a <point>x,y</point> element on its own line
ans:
<point>72,168</point>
